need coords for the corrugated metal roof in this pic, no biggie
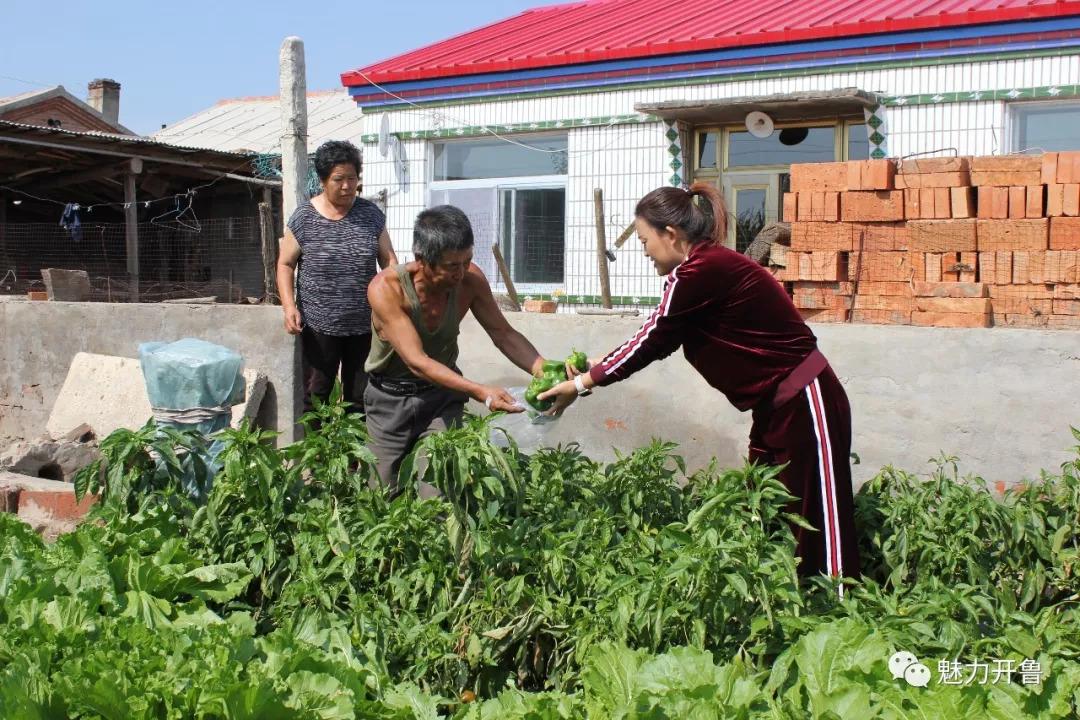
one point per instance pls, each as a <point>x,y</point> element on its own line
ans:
<point>599,30</point>
<point>254,123</point>
<point>123,140</point>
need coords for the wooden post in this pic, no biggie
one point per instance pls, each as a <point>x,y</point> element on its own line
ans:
<point>269,253</point>
<point>3,229</point>
<point>131,228</point>
<point>294,168</point>
<point>507,280</point>
<point>601,249</point>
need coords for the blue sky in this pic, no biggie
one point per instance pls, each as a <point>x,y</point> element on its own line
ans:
<point>174,59</point>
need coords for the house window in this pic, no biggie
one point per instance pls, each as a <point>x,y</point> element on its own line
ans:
<point>844,141</point>
<point>784,147</point>
<point>708,141</point>
<point>499,158</point>
<point>1045,126</point>
<point>534,233</point>
<point>858,142</point>
<point>753,172</point>
<point>515,197</point>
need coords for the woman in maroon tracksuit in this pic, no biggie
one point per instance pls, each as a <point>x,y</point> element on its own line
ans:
<point>739,329</point>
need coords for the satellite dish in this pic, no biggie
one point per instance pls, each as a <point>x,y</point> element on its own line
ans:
<point>759,124</point>
<point>401,160</point>
<point>384,134</point>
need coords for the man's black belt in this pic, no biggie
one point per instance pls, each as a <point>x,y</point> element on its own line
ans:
<point>400,386</point>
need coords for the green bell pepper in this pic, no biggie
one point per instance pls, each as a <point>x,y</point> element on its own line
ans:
<point>579,360</point>
<point>554,366</point>
<point>553,373</point>
<point>540,385</point>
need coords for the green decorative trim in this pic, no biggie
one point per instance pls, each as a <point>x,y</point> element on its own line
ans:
<point>616,300</point>
<point>743,77</point>
<point>877,133</point>
<point>1046,92</point>
<point>675,150</point>
<point>526,127</point>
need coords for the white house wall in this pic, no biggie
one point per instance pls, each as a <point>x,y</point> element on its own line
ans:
<point>628,160</point>
<point>968,128</point>
<point>403,200</point>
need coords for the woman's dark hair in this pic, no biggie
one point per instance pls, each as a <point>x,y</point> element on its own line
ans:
<point>438,230</point>
<point>674,207</point>
<point>335,152</point>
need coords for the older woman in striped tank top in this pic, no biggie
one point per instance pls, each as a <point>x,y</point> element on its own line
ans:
<point>333,244</point>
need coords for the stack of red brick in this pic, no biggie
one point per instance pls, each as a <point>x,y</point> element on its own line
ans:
<point>950,242</point>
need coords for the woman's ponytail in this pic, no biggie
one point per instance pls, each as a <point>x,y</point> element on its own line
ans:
<point>674,207</point>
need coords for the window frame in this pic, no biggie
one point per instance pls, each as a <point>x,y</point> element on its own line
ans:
<point>532,287</point>
<point>497,185</point>
<point>532,137</point>
<point>1012,119</point>
<point>841,140</point>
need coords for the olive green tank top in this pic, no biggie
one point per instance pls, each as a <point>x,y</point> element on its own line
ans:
<point>440,345</point>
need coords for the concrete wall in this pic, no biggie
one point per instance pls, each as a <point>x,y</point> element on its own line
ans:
<point>39,339</point>
<point>1001,400</point>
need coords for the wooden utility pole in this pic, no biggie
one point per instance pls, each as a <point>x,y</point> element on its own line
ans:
<point>269,248</point>
<point>294,164</point>
<point>131,228</point>
<point>601,249</point>
<point>3,229</point>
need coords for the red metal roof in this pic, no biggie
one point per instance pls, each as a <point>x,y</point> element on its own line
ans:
<point>598,30</point>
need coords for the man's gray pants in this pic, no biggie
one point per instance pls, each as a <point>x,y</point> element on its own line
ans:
<point>396,422</point>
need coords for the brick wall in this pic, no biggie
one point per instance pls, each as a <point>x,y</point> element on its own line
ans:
<point>70,116</point>
<point>947,242</point>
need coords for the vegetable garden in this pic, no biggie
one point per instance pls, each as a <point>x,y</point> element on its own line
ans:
<point>540,586</point>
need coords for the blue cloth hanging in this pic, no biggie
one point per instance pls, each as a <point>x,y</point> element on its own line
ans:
<point>69,220</point>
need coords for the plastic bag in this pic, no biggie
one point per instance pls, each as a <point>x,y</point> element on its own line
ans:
<point>193,384</point>
<point>529,429</point>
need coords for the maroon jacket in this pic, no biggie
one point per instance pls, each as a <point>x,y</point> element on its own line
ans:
<point>736,325</point>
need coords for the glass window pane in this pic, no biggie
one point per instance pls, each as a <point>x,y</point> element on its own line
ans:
<point>1047,127</point>
<point>785,187</point>
<point>707,149</point>
<point>479,206</point>
<point>506,245</point>
<point>496,158</point>
<point>539,241</point>
<point>858,146</point>
<point>784,147</point>
<point>749,216</point>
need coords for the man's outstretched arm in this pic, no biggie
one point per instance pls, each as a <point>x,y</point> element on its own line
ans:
<point>511,343</point>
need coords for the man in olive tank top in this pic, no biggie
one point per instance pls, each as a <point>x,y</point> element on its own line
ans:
<point>414,386</point>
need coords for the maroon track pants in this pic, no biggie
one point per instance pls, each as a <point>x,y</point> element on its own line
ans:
<point>812,433</point>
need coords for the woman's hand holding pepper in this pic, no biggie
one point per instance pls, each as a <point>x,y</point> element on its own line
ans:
<point>572,371</point>
<point>564,394</point>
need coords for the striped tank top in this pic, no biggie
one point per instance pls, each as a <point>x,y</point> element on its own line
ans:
<point>338,258</point>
